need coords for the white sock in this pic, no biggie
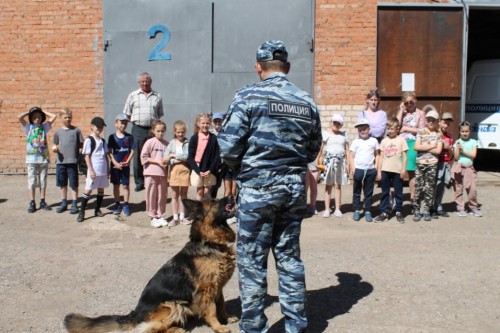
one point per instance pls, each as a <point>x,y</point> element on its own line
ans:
<point>176,217</point>
<point>182,216</point>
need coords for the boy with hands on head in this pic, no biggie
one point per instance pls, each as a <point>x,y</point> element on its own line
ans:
<point>37,153</point>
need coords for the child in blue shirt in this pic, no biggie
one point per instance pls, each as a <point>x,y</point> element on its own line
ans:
<point>122,148</point>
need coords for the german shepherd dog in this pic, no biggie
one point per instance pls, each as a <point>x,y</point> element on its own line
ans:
<point>188,285</point>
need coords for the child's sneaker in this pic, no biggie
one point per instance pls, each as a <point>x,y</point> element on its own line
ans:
<point>416,216</point>
<point>462,213</point>
<point>162,222</point>
<point>326,213</point>
<point>368,217</point>
<point>98,213</point>
<point>356,216</point>
<point>381,218</point>
<point>476,212</point>
<point>63,207</point>
<point>74,209</point>
<point>400,218</point>
<point>185,222</point>
<point>314,211</point>
<point>155,223</point>
<point>173,223</point>
<point>337,213</point>
<point>126,210</point>
<point>81,216</point>
<point>44,206</point>
<point>443,213</point>
<point>427,216</point>
<point>32,207</point>
<point>117,210</point>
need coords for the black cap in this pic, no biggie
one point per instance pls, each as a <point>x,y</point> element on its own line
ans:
<point>34,110</point>
<point>98,121</point>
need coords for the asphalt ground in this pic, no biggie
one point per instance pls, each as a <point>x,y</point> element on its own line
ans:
<point>438,276</point>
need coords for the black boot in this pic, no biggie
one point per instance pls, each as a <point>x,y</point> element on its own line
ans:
<point>83,206</point>
<point>98,204</point>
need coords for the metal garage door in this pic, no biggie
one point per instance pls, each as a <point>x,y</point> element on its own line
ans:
<point>210,52</point>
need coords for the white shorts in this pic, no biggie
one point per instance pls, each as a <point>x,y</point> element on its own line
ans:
<point>198,181</point>
<point>97,182</point>
<point>37,175</point>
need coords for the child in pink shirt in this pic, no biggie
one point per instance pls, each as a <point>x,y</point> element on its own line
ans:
<point>155,174</point>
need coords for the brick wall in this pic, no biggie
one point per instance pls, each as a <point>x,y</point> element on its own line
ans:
<point>51,56</point>
<point>345,57</point>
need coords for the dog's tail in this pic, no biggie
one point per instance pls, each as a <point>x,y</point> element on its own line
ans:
<point>76,323</point>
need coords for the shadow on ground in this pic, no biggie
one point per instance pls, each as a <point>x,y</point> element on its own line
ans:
<point>323,304</point>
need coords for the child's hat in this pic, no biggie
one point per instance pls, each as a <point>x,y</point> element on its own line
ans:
<point>362,122</point>
<point>98,121</point>
<point>432,114</point>
<point>218,115</point>
<point>122,117</point>
<point>446,116</point>
<point>338,118</point>
<point>32,111</point>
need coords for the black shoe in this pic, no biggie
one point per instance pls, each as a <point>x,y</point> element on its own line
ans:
<point>434,215</point>
<point>73,210</point>
<point>400,218</point>
<point>443,213</point>
<point>427,216</point>
<point>139,188</point>
<point>44,206</point>
<point>98,213</point>
<point>32,207</point>
<point>416,216</point>
<point>63,207</point>
<point>381,218</point>
<point>81,216</point>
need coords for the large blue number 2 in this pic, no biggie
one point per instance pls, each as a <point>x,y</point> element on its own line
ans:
<point>156,54</point>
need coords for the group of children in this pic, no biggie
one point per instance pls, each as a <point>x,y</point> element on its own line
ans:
<point>439,164</point>
<point>179,163</point>
<point>184,162</point>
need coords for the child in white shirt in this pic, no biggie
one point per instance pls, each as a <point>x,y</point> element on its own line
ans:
<point>362,166</point>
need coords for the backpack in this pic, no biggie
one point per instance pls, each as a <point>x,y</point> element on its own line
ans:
<point>82,166</point>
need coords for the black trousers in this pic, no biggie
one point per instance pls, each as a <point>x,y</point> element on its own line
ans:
<point>140,134</point>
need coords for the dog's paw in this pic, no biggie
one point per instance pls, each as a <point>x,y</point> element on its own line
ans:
<point>222,329</point>
<point>232,319</point>
<point>176,330</point>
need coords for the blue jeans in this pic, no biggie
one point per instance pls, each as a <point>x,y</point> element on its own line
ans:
<point>363,180</point>
<point>388,180</point>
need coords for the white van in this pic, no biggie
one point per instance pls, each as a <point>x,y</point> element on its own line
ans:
<point>482,103</point>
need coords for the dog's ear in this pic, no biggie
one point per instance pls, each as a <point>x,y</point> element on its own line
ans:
<point>193,206</point>
<point>223,202</point>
